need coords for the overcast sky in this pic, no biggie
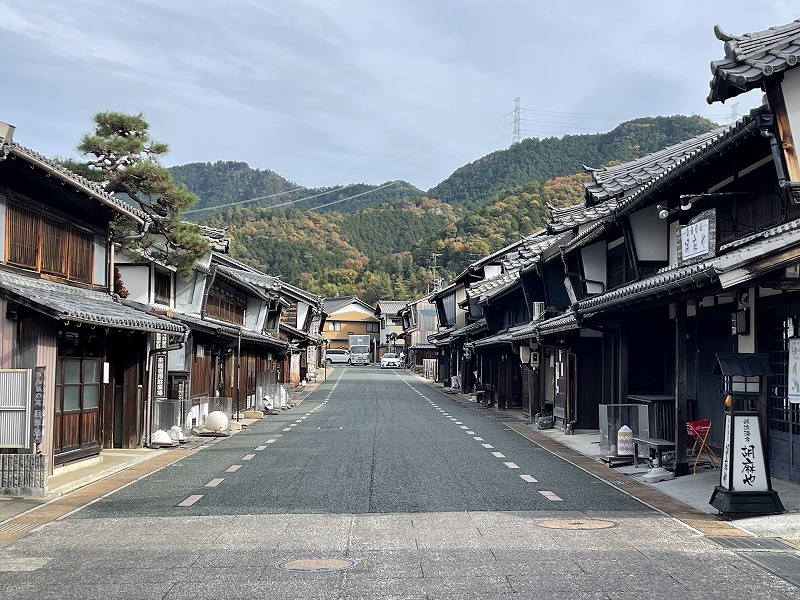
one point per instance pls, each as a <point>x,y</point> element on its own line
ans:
<point>331,92</point>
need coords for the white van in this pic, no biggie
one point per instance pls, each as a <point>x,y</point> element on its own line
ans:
<point>337,356</point>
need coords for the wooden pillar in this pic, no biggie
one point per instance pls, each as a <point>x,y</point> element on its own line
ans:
<point>681,404</point>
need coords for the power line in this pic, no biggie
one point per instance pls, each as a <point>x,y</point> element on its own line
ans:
<point>240,202</point>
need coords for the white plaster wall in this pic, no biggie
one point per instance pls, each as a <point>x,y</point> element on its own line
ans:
<point>649,234</point>
<point>189,293</point>
<point>594,266</point>
<point>100,267</point>
<point>136,279</point>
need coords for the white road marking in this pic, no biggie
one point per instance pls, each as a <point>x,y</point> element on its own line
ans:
<point>478,438</point>
<point>511,465</point>
<point>272,440</point>
<point>498,455</point>
<point>215,482</point>
<point>287,429</point>
<point>487,445</point>
<point>529,478</point>
<point>463,427</point>
<point>470,432</point>
<point>248,457</point>
<point>261,447</point>
<point>233,468</point>
<point>550,496</point>
<point>191,500</point>
<point>458,422</point>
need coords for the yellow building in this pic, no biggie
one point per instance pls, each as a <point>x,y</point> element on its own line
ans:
<point>346,316</point>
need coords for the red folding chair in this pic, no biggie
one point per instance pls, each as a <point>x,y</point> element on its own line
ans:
<point>698,430</point>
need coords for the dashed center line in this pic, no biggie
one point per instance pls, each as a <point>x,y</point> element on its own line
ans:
<point>550,496</point>
<point>261,447</point>
<point>191,500</point>
<point>478,438</point>
<point>487,445</point>
<point>248,457</point>
<point>498,455</point>
<point>529,478</point>
<point>233,468</point>
<point>215,482</point>
<point>511,465</point>
<point>271,441</point>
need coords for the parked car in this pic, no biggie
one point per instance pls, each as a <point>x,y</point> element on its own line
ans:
<point>337,356</point>
<point>390,360</point>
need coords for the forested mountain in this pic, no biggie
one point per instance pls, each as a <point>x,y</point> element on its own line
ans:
<point>539,160</point>
<point>225,183</point>
<point>379,245</point>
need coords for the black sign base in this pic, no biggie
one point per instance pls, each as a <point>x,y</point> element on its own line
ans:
<point>734,502</point>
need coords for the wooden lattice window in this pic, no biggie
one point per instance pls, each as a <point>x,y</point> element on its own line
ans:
<point>39,241</point>
<point>225,305</point>
<point>81,256</point>
<point>55,241</point>
<point>23,236</point>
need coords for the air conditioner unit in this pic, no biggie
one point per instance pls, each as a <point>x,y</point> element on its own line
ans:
<point>537,310</point>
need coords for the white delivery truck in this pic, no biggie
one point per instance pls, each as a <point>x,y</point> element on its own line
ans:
<point>360,346</point>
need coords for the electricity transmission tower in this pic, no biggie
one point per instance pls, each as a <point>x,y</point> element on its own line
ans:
<point>516,133</point>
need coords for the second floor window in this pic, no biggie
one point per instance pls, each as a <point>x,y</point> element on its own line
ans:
<point>226,306</point>
<point>334,326</point>
<point>49,245</point>
<point>162,287</point>
<point>373,327</point>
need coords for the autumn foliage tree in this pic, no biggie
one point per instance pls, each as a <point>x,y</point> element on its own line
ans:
<point>122,157</point>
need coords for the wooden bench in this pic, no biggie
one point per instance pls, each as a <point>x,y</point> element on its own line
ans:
<point>654,445</point>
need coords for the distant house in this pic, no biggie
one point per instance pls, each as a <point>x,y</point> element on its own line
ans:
<point>61,318</point>
<point>345,316</point>
<point>419,322</point>
<point>390,336</point>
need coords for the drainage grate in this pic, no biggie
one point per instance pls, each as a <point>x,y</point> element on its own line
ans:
<point>785,565</point>
<point>749,543</point>
<point>13,527</point>
<point>622,482</point>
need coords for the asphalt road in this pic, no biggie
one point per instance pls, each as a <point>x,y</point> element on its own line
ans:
<point>376,486</point>
<point>368,441</point>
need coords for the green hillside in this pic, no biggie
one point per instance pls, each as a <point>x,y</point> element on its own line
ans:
<point>225,183</point>
<point>539,160</point>
<point>379,245</point>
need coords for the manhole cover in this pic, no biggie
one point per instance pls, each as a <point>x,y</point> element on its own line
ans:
<point>576,524</point>
<point>317,565</point>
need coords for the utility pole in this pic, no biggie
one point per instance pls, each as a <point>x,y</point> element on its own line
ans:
<point>516,133</point>
<point>434,256</point>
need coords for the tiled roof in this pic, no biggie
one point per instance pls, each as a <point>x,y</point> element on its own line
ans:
<point>483,290</point>
<point>623,180</point>
<point>730,265</point>
<point>663,166</point>
<point>253,278</point>
<point>218,239</point>
<point>68,303</point>
<point>504,337</point>
<point>563,219</point>
<point>229,330</point>
<point>80,183</point>
<point>391,307</point>
<point>751,58</point>
<point>529,251</point>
